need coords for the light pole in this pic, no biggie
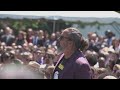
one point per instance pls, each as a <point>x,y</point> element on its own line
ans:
<point>54,23</point>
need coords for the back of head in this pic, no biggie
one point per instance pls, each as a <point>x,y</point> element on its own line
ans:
<point>109,77</point>
<point>106,75</point>
<point>91,57</point>
<point>75,35</point>
<point>6,57</point>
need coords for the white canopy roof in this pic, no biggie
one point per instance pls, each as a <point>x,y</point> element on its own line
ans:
<point>98,14</point>
<point>88,16</point>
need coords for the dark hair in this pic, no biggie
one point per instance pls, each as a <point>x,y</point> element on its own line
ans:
<point>92,58</point>
<point>118,61</point>
<point>76,36</point>
<point>5,56</point>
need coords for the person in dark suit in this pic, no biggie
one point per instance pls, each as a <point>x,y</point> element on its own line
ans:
<point>21,38</point>
<point>72,63</point>
<point>8,38</point>
<point>36,39</point>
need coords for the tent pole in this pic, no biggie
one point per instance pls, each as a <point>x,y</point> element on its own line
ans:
<point>54,26</point>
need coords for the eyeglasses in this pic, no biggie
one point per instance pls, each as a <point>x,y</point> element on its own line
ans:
<point>62,37</point>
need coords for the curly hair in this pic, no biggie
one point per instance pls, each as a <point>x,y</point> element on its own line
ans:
<point>75,35</point>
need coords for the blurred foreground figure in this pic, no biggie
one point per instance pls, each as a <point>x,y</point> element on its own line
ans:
<point>13,71</point>
<point>13,68</point>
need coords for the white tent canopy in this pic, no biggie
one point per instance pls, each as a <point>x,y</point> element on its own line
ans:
<point>97,14</point>
<point>85,16</point>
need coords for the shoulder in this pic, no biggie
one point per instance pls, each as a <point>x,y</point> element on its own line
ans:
<point>82,64</point>
<point>81,61</point>
<point>80,58</point>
